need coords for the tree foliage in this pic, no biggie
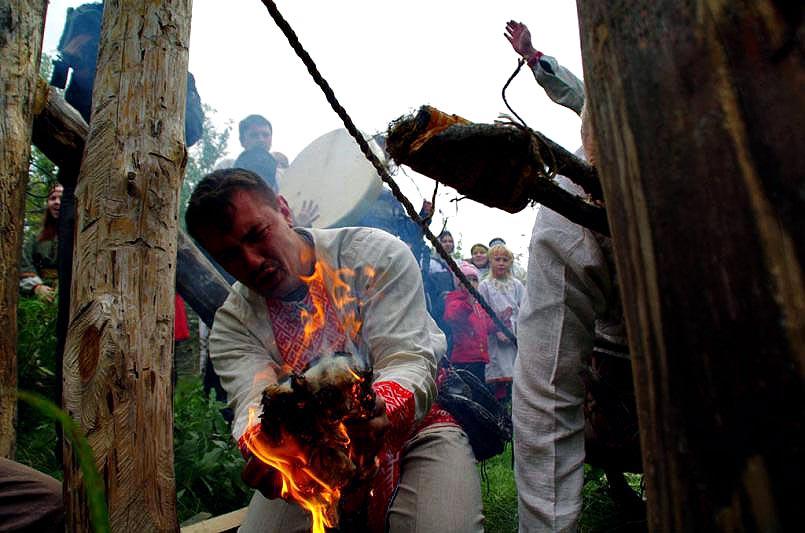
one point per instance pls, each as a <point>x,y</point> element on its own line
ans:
<point>202,157</point>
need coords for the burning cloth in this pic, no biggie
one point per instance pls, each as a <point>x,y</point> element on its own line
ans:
<point>364,297</point>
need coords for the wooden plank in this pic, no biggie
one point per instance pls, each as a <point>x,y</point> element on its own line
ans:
<point>119,349</point>
<point>218,524</point>
<point>698,112</point>
<point>21,25</point>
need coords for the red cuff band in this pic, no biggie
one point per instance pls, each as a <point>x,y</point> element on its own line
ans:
<point>534,58</point>
<point>400,408</point>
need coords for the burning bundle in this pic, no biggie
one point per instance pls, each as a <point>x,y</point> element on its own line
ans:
<point>303,436</point>
<point>500,165</point>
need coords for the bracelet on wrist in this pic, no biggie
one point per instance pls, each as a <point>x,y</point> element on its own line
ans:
<point>533,58</point>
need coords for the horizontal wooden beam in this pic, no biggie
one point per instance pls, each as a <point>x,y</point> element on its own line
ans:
<point>218,524</point>
<point>500,165</point>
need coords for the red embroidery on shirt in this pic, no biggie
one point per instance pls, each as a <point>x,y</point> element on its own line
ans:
<point>289,328</point>
<point>400,408</point>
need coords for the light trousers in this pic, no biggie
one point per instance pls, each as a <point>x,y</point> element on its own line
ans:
<point>568,286</point>
<point>439,492</point>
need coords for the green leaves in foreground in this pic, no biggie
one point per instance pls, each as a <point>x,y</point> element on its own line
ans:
<point>93,485</point>
<point>207,462</point>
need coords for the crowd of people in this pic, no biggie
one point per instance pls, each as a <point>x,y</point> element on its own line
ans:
<point>415,315</point>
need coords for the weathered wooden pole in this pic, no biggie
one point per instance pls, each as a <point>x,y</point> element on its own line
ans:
<point>698,110</point>
<point>119,350</point>
<point>21,25</point>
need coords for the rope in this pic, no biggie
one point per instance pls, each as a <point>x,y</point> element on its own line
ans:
<point>520,63</point>
<point>293,40</point>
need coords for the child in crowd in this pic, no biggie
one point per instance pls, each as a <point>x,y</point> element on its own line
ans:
<point>479,259</point>
<point>470,326</point>
<point>505,294</point>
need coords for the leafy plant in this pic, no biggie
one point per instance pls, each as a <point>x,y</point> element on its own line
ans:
<point>93,485</point>
<point>202,157</point>
<point>36,372</point>
<point>206,460</point>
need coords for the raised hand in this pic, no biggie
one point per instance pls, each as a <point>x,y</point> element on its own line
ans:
<point>520,38</point>
<point>308,214</point>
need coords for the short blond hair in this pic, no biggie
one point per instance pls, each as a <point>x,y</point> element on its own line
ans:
<point>500,249</point>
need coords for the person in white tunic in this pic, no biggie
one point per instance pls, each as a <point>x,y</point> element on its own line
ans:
<point>571,304</point>
<point>505,295</point>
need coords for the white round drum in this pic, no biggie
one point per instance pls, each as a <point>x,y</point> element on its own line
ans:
<point>333,173</point>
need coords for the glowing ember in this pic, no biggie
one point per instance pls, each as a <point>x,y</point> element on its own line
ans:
<point>302,435</point>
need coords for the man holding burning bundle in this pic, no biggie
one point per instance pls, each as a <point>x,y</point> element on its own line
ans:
<point>307,295</point>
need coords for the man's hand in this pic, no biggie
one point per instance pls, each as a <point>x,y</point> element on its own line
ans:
<point>502,337</point>
<point>308,214</point>
<point>506,314</point>
<point>366,435</point>
<point>258,475</point>
<point>43,292</point>
<point>520,38</point>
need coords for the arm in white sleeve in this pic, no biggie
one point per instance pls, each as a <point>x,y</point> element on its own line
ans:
<point>241,359</point>
<point>561,85</point>
<point>403,340</point>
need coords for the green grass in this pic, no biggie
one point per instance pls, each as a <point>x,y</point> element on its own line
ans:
<point>499,493</point>
<point>598,514</point>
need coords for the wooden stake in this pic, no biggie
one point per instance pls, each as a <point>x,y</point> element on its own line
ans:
<point>21,25</point>
<point>698,110</point>
<point>119,350</point>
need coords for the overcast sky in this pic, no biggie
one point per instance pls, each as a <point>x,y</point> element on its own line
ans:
<point>383,59</point>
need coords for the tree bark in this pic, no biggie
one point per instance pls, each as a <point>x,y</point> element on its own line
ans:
<point>119,350</point>
<point>21,27</point>
<point>698,112</point>
<point>503,166</point>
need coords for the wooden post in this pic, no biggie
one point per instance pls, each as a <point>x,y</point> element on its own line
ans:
<point>119,350</point>
<point>698,110</point>
<point>21,25</point>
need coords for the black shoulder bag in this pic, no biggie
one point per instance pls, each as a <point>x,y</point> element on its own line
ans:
<point>485,421</point>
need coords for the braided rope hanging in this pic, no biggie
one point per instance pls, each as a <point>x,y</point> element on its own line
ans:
<point>381,169</point>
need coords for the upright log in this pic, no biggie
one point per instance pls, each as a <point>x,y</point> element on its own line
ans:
<point>119,350</point>
<point>698,110</point>
<point>21,25</point>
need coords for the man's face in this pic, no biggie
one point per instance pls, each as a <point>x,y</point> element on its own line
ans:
<point>447,243</point>
<point>257,137</point>
<point>261,250</point>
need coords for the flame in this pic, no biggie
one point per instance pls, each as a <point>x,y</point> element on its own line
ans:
<point>342,300</point>
<point>299,482</point>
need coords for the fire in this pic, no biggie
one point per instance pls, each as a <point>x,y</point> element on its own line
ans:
<point>299,482</point>
<point>301,436</point>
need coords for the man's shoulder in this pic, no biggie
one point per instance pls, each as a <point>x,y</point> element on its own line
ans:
<point>239,304</point>
<point>364,241</point>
